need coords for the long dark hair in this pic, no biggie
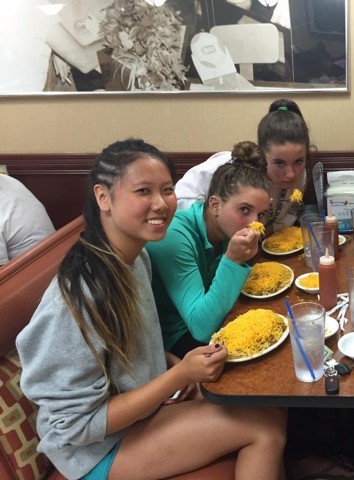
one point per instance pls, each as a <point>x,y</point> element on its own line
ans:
<point>283,123</point>
<point>97,286</point>
<point>247,168</point>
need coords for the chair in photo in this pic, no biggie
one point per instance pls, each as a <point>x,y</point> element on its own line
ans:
<point>249,44</point>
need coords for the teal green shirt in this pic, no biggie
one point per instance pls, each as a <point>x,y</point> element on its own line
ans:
<point>193,289</point>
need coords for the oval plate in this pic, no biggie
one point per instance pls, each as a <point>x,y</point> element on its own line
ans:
<point>273,294</point>
<point>306,289</point>
<point>331,326</point>
<point>279,254</point>
<point>267,350</point>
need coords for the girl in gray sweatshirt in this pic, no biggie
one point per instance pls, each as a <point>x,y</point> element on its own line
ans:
<point>93,358</point>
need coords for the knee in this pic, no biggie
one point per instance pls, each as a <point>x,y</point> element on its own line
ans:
<point>275,435</point>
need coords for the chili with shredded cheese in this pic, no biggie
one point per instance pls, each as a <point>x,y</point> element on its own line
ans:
<point>285,240</point>
<point>251,333</point>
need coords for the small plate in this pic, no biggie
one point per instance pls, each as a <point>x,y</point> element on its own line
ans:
<point>273,294</point>
<point>267,350</point>
<point>341,239</point>
<point>331,326</point>
<point>346,345</point>
<point>306,289</point>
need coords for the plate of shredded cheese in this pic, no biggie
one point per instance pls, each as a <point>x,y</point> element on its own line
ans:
<point>268,279</point>
<point>252,334</point>
<point>308,282</point>
<point>283,242</point>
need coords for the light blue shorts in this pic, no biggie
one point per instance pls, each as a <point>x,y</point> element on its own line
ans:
<point>101,470</point>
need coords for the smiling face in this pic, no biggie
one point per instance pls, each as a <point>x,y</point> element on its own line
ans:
<point>139,207</point>
<point>286,163</point>
<point>238,211</point>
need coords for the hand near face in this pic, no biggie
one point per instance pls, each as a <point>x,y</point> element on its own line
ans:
<point>242,246</point>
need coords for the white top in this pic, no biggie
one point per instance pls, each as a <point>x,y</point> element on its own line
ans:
<point>194,186</point>
<point>23,219</point>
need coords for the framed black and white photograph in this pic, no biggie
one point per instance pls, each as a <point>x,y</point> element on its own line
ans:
<point>173,46</point>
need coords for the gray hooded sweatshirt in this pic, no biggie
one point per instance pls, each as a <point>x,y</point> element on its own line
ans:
<point>60,374</point>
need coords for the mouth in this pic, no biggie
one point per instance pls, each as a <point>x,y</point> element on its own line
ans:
<point>289,183</point>
<point>156,221</point>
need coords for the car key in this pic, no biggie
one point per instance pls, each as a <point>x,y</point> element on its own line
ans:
<point>331,381</point>
<point>342,369</point>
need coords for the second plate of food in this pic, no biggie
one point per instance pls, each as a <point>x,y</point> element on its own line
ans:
<point>268,279</point>
<point>283,242</point>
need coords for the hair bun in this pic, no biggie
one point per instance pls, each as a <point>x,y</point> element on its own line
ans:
<point>247,153</point>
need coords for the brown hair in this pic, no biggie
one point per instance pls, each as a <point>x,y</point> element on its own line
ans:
<point>247,168</point>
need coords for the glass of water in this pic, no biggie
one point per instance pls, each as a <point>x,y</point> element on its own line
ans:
<point>307,335</point>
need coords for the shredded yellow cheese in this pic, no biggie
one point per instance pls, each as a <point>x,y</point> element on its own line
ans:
<point>250,333</point>
<point>258,227</point>
<point>267,277</point>
<point>296,196</point>
<point>285,240</point>
<point>310,281</point>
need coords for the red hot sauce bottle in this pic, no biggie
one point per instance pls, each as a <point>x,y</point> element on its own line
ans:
<point>327,273</point>
<point>332,222</point>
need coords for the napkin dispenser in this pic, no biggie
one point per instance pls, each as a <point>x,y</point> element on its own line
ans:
<point>340,198</point>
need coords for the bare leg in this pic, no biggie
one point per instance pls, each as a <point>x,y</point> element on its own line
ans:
<point>182,437</point>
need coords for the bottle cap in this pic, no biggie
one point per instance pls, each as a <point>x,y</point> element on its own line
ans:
<point>326,259</point>
<point>330,219</point>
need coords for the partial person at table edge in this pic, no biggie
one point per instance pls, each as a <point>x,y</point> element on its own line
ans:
<point>23,221</point>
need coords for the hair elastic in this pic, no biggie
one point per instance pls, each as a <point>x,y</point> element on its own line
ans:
<point>284,108</point>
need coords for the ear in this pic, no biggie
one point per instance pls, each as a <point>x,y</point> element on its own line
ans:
<point>102,197</point>
<point>214,204</point>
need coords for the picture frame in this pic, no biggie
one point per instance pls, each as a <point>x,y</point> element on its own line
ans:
<point>179,47</point>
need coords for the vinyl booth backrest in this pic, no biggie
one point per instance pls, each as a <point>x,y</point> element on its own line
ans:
<point>22,284</point>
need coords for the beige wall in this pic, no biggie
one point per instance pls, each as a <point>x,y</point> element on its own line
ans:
<point>58,124</point>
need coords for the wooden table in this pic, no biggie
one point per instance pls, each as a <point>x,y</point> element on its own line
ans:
<point>270,380</point>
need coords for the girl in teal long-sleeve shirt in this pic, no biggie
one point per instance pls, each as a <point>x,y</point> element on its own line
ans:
<point>199,268</point>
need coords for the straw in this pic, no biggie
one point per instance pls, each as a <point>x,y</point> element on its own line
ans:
<point>309,226</point>
<point>297,337</point>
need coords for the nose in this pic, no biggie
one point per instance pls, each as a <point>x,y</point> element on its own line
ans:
<point>159,203</point>
<point>290,173</point>
<point>252,218</point>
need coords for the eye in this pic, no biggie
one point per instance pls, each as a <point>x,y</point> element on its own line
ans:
<point>142,191</point>
<point>278,163</point>
<point>245,210</point>
<point>299,162</point>
<point>169,190</point>
<point>261,215</point>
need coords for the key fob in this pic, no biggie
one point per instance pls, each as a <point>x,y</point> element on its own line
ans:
<point>342,369</point>
<point>332,385</point>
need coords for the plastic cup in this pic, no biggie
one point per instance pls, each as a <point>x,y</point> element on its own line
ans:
<point>350,286</point>
<point>308,339</point>
<point>312,219</point>
<point>321,238</point>
<point>352,217</point>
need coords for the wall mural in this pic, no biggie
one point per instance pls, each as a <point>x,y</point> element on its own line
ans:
<point>173,46</point>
